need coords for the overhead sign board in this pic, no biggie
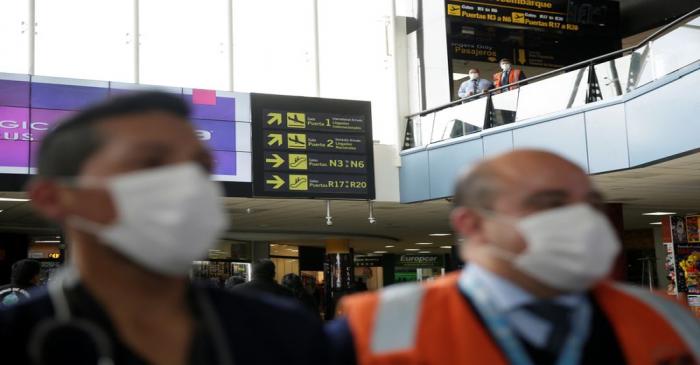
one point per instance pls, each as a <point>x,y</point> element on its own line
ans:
<point>312,147</point>
<point>528,13</point>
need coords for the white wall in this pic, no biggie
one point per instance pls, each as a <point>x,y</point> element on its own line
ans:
<point>437,82</point>
<point>322,48</point>
<point>386,172</point>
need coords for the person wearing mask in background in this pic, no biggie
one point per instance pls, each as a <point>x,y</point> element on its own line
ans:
<point>539,249</point>
<point>475,85</point>
<point>128,180</point>
<point>508,75</point>
<point>25,275</point>
<point>264,280</point>
<point>294,284</point>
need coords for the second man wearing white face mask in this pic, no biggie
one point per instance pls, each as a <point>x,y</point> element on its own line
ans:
<point>535,291</point>
<point>508,75</point>
<point>475,84</point>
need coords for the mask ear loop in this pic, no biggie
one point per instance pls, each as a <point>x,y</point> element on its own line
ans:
<point>62,319</point>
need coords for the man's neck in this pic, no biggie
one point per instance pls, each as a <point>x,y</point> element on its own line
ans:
<point>125,289</point>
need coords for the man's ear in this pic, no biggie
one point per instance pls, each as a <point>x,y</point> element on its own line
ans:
<point>466,222</point>
<point>46,198</point>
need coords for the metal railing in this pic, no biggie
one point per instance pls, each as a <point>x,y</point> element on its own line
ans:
<point>604,77</point>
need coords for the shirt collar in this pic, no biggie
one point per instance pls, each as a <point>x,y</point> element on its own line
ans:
<point>506,295</point>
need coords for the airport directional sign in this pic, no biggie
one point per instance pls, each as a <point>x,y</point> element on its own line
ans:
<point>312,147</point>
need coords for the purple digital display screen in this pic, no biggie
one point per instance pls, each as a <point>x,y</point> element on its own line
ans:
<point>28,111</point>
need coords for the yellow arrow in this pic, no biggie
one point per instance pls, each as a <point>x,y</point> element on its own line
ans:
<point>521,56</point>
<point>276,161</point>
<point>276,182</point>
<point>275,118</point>
<point>275,139</point>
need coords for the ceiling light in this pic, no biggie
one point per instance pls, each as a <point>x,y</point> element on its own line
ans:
<point>655,223</point>
<point>413,249</point>
<point>446,247</point>
<point>659,213</point>
<point>380,251</point>
<point>389,246</point>
<point>424,243</point>
<point>423,251</point>
<point>12,200</point>
<point>1,210</point>
<point>440,234</point>
<point>48,241</point>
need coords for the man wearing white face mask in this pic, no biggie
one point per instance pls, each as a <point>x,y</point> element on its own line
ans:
<point>475,84</point>
<point>128,180</point>
<point>535,290</point>
<point>508,74</point>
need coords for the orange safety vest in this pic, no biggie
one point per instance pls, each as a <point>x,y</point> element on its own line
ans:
<point>431,325</point>
<point>513,76</point>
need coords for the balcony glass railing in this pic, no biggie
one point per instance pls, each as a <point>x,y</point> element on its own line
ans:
<point>603,78</point>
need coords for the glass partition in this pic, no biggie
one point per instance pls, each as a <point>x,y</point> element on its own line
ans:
<point>459,120</point>
<point>678,48</point>
<point>423,129</point>
<point>613,77</point>
<point>553,94</point>
<point>504,107</point>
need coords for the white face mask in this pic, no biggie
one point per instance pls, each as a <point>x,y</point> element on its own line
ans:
<point>167,217</point>
<point>505,66</point>
<point>569,248</point>
<point>473,76</point>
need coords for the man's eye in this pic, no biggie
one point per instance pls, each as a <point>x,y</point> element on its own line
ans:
<point>152,162</point>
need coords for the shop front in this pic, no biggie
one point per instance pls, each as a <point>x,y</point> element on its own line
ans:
<point>229,259</point>
<point>681,238</point>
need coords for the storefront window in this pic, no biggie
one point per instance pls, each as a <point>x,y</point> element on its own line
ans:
<point>286,260</point>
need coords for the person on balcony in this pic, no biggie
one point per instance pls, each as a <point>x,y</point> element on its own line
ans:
<point>475,85</point>
<point>508,75</point>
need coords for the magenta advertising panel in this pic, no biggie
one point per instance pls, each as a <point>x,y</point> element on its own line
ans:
<point>29,110</point>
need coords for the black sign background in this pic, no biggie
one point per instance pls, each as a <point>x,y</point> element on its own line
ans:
<point>555,45</point>
<point>317,109</point>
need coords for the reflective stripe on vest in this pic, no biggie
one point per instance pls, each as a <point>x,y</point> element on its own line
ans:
<point>682,321</point>
<point>396,323</point>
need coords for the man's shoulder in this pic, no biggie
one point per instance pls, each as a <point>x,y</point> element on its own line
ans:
<point>255,321</point>
<point>18,322</point>
<point>36,307</point>
<point>256,304</point>
<point>399,294</point>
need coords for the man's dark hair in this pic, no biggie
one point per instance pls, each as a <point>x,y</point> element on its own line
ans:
<point>264,269</point>
<point>506,60</point>
<point>23,271</point>
<point>65,149</point>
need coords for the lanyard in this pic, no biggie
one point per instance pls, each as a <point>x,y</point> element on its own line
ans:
<point>513,349</point>
<point>63,317</point>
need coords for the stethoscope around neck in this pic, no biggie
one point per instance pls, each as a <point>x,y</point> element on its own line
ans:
<point>63,323</point>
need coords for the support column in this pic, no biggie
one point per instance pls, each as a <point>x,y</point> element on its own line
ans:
<point>339,274</point>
